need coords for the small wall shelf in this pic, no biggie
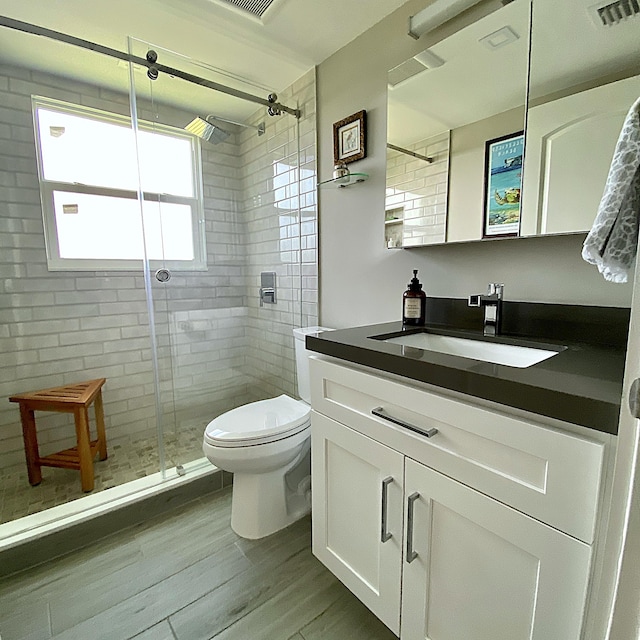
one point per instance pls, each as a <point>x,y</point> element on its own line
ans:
<point>345,181</point>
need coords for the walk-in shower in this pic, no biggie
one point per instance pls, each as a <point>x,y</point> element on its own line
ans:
<point>178,333</point>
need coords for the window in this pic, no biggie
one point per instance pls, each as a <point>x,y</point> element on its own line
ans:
<point>89,184</point>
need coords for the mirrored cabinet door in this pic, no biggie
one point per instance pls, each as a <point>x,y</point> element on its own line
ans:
<point>465,89</point>
<point>565,73</point>
<point>583,80</point>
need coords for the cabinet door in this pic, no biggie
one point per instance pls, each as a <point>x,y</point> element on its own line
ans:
<point>357,514</point>
<point>570,143</point>
<point>484,571</point>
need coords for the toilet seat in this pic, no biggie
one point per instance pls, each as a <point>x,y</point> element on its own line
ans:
<point>258,423</point>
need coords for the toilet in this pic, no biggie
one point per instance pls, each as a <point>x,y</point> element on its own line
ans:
<point>266,445</point>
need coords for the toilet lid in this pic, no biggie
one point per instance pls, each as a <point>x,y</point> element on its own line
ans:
<point>258,422</point>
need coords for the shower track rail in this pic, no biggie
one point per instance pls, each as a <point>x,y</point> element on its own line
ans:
<point>428,159</point>
<point>34,29</point>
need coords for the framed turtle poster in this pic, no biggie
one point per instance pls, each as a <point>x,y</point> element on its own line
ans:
<point>502,185</point>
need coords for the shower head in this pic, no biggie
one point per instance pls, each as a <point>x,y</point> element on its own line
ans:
<point>207,131</point>
<point>203,128</point>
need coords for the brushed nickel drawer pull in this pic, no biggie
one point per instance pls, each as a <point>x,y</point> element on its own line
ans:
<point>381,413</point>
<point>384,534</point>
<point>412,554</point>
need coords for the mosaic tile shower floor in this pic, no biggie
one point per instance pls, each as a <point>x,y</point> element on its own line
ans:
<point>127,461</point>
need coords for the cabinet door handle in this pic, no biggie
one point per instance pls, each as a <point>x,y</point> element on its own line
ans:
<point>411,553</point>
<point>384,534</point>
<point>381,413</point>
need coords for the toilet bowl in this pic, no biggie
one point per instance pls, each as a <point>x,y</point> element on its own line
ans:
<point>266,445</point>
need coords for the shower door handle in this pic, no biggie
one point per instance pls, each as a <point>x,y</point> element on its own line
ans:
<point>163,275</point>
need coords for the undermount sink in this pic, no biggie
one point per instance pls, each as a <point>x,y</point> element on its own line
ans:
<point>495,352</point>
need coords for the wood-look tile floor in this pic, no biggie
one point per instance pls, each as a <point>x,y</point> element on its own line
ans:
<point>187,576</point>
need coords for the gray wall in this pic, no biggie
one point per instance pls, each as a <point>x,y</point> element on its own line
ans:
<point>361,281</point>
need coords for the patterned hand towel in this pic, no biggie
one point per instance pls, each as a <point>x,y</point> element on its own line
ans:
<point>612,242</point>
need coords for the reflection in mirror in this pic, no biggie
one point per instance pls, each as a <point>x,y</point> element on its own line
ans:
<point>583,80</point>
<point>445,103</point>
<point>416,193</point>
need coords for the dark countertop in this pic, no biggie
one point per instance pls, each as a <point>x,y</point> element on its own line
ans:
<point>582,384</point>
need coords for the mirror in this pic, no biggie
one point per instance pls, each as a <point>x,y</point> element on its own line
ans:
<point>583,80</point>
<point>445,103</point>
<point>470,88</point>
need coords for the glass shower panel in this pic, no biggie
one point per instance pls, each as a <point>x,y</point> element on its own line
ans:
<point>234,201</point>
<point>72,303</point>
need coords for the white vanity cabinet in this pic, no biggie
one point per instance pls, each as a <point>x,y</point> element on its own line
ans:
<point>436,535</point>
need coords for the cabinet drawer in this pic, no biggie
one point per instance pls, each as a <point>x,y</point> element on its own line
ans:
<point>549,474</point>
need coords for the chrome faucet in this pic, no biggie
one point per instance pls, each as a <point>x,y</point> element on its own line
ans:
<point>492,303</point>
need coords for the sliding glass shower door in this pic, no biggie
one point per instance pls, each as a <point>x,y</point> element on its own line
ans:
<point>220,181</point>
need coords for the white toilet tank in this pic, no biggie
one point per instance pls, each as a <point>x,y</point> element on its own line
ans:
<point>302,360</point>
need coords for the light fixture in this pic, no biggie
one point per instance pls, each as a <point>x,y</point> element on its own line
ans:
<point>435,14</point>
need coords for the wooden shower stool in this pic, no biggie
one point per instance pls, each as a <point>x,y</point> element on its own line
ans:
<point>71,398</point>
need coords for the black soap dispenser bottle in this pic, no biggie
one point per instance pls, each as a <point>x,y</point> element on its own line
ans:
<point>414,302</point>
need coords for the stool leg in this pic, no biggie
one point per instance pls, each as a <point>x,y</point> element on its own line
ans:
<point>84,448</point>
<point>102,438</point>
<point>32,454</point>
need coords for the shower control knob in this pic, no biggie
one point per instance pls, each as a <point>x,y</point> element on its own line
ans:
<point>163,275</point>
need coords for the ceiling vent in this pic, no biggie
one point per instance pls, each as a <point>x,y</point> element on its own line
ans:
<point>611,13</point>
<point>255,8</point>
<point>404,71</point>
<point>413,66</point>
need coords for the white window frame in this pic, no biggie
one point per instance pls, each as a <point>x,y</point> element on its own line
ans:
<point>47,188</point>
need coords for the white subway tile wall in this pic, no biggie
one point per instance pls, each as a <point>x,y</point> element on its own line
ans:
<point>217,347</point>
<point>417,192</point>
<point>282,227</point>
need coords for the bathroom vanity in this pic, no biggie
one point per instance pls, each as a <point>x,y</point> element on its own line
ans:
<point>460,498</point>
